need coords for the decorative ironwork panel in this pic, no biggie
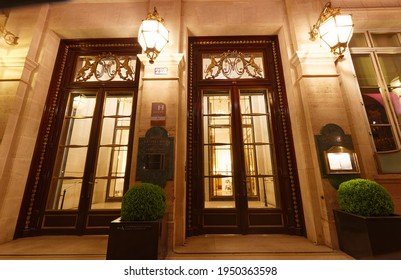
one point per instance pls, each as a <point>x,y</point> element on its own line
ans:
<point>233,65</point>
<point>105,68</point>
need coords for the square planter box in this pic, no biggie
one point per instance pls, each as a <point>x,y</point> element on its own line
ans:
<point>369,237</point>
<point>137,240</point>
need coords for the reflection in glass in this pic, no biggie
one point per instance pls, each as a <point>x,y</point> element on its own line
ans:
<point>385,40</point>
<point>391,67</point>
<point>115,187</point>
<point>218,180</point>
<point>107,184</point>
<point>375,105</point>
<point>358,40</point>
<point>69,194</point>
<point>257,149</point>
<point>113,150</point>
<point>364,70</point>
<point>71,155</point>
<point>219,185</point>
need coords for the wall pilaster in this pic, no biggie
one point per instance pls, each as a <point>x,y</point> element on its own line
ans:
<point>161,82</point>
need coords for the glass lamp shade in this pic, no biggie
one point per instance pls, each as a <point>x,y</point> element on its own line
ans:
<point>336,32</point>
<point>152,37</point>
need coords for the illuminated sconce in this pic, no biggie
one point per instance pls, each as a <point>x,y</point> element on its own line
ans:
<point>334,29</point>
<point>7,36</point>
<point>153,35</point>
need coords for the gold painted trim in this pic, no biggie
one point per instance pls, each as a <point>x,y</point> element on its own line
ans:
<point>286,139</point>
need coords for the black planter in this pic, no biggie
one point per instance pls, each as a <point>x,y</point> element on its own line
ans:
<point>369,237</point>
<point>137,240</point>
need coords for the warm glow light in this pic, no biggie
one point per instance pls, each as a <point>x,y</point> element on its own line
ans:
<point>153,35</point>
<point>336,32</point>
<point>333,29</point>
<point>339,161</point>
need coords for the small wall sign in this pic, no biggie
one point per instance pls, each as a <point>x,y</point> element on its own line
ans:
<point>158,115</point>
<point>161,71</point>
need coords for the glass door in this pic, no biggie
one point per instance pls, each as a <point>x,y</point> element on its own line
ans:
<point>238,166</point>
<point>217,146</point>
<point>91,168</point>
<point>241,166</point>
<point>260,173</point>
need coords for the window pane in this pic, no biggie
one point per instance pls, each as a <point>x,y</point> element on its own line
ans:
<point>391,66</point>
<point>264,152</point>
<point>385,40</point>
<point>76,131</point>
<point>118,105</point>
<point>395,97</point>
<point>115,133</point>
<point>265,191</point>
<point>112,153</point>
<point>217,149</point>
<point>383,137</point>
<point>253,102</point>
<point>111,161</point>
<point>381,130</point>
<point>67,194</point>
<point>364,70</point>
<point>374,107</point>
<point>358,40</point>
<point>105,191</point>
<point>257,151</point>
<point>219,192</point>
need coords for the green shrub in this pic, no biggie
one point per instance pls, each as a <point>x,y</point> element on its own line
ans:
<point>364,197</point>
<point>143,202</point>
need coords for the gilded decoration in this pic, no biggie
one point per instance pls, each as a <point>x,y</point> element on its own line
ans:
<point>233,65</point>
<point>106,67</point>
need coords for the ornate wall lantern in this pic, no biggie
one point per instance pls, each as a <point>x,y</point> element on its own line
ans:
<point>334,29</point>
<point>153,35</point>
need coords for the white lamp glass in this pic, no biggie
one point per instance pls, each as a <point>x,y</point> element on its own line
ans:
<point>334,29</point>
<point>153,35</point>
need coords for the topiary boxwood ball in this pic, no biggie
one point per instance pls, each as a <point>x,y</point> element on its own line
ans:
<point>143,202</point>
<point>365,198</point>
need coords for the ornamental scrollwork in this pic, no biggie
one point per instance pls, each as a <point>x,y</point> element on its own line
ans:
<point>233,65</point>
<point>106,67</point>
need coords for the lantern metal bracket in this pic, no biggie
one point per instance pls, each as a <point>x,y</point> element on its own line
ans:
<point>332,24</point>
<point>9,37</point>
<point>154,16</point>
<point>327,12</point>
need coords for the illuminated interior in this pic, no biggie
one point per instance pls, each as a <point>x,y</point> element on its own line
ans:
<point>219,184</point>
<point>68,175</point>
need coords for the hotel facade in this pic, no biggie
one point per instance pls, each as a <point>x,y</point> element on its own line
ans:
<point>247,123</point>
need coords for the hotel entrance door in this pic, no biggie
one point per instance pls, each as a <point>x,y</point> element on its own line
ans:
<point>239,177</point>
<point>82,161</point>
<point>241,166</point>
